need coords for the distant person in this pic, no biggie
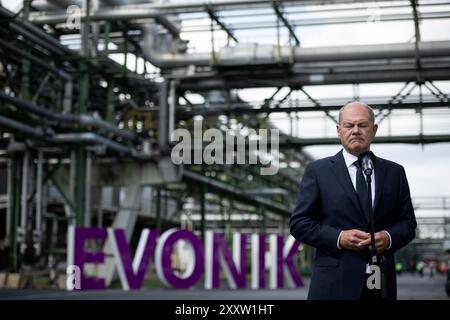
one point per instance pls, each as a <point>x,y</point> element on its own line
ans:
<point>332,216</point>
<point>420,267</point>
<point>399,267</point>
<point>432,269</point>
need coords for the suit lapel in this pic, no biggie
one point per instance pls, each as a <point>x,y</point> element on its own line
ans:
<point>339,168</point>
<point>380,172</point>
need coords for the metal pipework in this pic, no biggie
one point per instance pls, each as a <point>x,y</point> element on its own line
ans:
<point>365,52</point>
<point>72,138</point>
<point>61,73</point>
<point>90,137</point>
<point>315,79</point>
<point>165,59</point>
<point>68,86</point>
<point>254,54</point>
<point>223,187</point>
<point>111,13</point>
<point>19,126</point>
<point>93,138</point>
<point>84,120</point>
<point>199,6</point>
<point>36,34</point>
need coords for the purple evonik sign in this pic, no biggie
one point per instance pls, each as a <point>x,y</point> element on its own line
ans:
<point>208,259</point>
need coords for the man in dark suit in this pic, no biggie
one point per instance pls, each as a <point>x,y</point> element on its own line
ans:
<point>329,214</point>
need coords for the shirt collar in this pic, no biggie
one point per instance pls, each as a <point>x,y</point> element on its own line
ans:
<point>348,158</point>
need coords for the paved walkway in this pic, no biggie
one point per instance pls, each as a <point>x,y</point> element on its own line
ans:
<point>409,288</point>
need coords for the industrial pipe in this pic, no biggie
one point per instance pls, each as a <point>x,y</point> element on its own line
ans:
<point>90,137</point>
<point>19,126</point>
<point>81,119</point>
<point>27,29</point>
<point>111,13</point>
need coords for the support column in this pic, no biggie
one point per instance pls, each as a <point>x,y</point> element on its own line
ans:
<point>80,184</point>
<point>163,137</point>
<point>23,236</point>
<point>26,65</point>
<point>87,190</point>
<point>37,233</point>
<point>110,101</point>
<point>158,209</point>
<point>17,160</point>
<point>262,213</point>
<point>173,98</point>
<point>202,211</point>
<point>228,233</point>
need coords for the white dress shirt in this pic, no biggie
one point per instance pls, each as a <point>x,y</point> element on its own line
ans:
<point>352,169</point>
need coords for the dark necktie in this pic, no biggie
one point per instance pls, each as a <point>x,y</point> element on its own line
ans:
<point>361,189</point>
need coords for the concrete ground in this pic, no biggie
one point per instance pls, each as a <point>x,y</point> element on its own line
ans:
<point>410,287</point>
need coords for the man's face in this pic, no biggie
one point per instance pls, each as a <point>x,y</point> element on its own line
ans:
<point>355,130</point>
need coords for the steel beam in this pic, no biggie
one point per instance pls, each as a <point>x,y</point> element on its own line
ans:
<point>216,110</point>
<point>298,80</point>
<point>220,186</point>
<point>292,142</point>
<point>213,16</point>
<point>278,11</point>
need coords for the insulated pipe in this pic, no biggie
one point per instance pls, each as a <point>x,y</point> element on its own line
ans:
<point>92,138</point>
<point>168,60</point>
<point>82,119</point>
<point>67,100</point>
<point>65,3</point>
<point>260,54</point>
<point>199,6</point>
<point>44,5</point>
<point>111,13</point>
<point>365,52</point>
<point>315,79</point>
<point>72,137</point>
<point>49,5</point>
<point>19,126</point>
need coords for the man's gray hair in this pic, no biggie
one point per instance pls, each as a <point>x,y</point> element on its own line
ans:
<point>369,109</point>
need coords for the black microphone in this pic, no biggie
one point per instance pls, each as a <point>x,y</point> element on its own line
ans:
<point>367,160</point>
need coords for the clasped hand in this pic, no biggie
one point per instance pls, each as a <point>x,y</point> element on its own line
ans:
<point>359,240</point>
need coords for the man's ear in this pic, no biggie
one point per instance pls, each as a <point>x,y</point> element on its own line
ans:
<point>338,130</point>
<point>375,128</point>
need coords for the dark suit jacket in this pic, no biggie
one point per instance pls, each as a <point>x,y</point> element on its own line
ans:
<point>328,203</point>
